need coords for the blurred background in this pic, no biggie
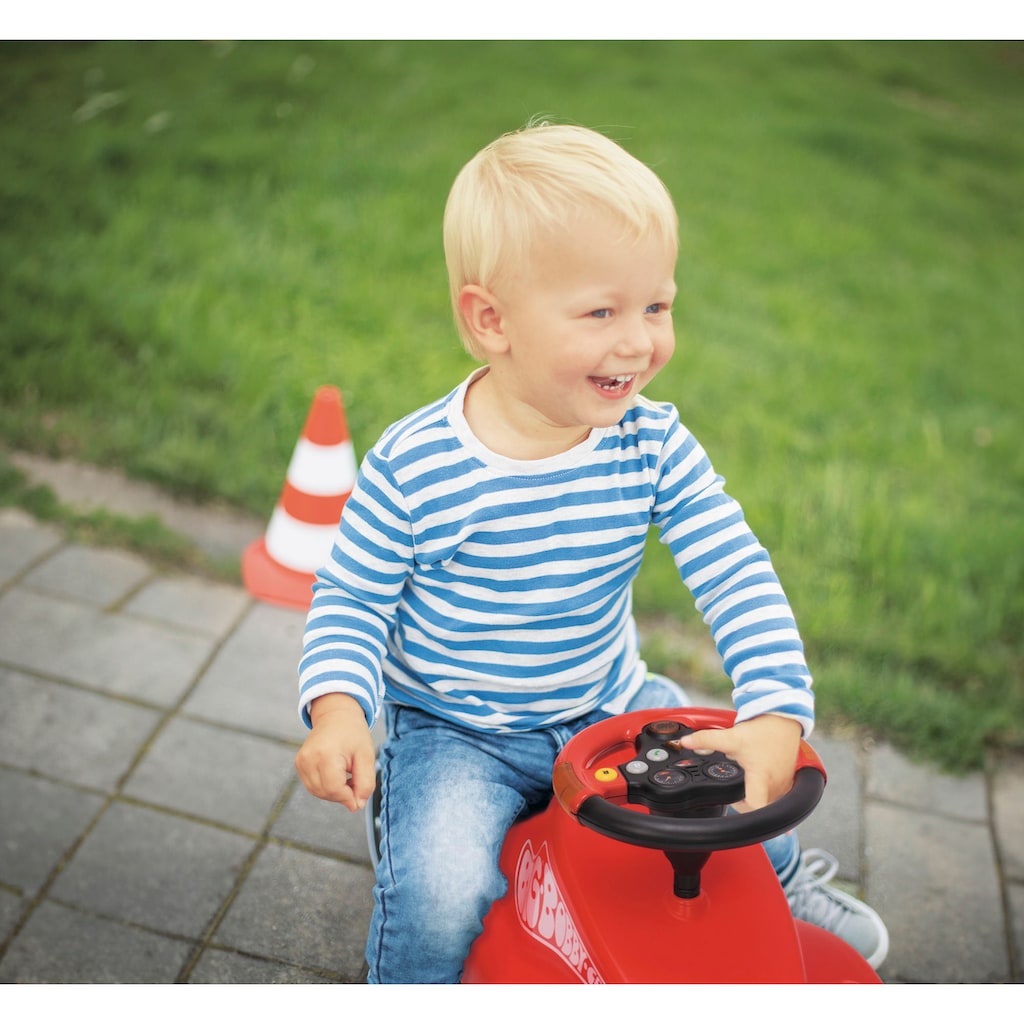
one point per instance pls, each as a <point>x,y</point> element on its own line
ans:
<point>196,235</point>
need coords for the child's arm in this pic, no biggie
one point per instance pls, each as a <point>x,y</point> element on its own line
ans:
<point>766,747</point>
<point>737,592</point>
<point>336,762</point>
<point>733,583</point>
<point>356,594</point>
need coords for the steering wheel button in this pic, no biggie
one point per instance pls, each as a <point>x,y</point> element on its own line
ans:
<point>721,770</point>
<point>606,775</point>
<point>657,754</point>
<point>663,728</point>
<point>637,767</point>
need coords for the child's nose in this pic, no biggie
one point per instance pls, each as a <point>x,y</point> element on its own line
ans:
<point>636,338</point>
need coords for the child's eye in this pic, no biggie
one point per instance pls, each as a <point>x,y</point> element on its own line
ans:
<point>657,307</point>
<point>601,314</point>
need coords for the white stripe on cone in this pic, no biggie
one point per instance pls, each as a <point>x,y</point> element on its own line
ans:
<point>303,547</point>
<point>322,470</point>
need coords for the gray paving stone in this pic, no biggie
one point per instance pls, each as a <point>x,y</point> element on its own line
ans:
<point>97,576</point>
<point>65,733</point>
<point>11,908</point>
<point>304,909</point>
<point>327,826</point>
<point>23,541</point>
<point>62,945</point>
<point>1015,894</point>
<point>41,820</point>
<point>835,824</point>
<point>153,869</point>
<point>1008,814</point>
<point>202,605</point>
<point>114,653</point>
<point>934,882</point>
<point>213,773</point>
<point>217,967</point>
<point>891,776</point>
<point>252,683</point>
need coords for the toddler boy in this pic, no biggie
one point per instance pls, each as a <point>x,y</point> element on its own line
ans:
<point>479,589</point>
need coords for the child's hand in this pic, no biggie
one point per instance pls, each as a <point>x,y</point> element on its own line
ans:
<point>766,747</point>
<point>337,760</point>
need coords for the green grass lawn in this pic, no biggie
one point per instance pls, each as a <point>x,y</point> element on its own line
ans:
<point>196,236</point>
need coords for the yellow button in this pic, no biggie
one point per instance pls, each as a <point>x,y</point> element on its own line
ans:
<point>606,774</point>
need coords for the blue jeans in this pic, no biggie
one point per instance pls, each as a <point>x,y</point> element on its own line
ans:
<point>448,796</point>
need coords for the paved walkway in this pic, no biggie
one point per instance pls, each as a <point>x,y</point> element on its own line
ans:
<point>153,829</point>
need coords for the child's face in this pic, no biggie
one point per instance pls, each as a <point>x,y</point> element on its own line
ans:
<point>587,324</point>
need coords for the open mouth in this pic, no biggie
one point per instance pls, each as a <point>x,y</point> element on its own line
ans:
<point>614,386</point>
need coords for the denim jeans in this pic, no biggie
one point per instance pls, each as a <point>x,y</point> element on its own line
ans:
<point>448,796</point>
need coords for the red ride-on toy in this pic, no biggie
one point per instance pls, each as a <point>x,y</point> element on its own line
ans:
<point>635,873</point>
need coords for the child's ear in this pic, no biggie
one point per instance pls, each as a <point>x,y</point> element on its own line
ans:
<point>479,308</point>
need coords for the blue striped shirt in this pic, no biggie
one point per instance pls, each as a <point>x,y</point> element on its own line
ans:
<point>498,593</point>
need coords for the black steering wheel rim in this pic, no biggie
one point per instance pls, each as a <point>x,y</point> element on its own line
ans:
<point>706,834</point>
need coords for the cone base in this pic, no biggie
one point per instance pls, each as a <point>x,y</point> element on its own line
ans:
<point>270,581</point>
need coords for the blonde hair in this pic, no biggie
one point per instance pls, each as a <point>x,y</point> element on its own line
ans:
<point>540,178</point>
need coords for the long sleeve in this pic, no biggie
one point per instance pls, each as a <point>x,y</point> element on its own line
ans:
<point>734,586</point>
<point>356,593</point>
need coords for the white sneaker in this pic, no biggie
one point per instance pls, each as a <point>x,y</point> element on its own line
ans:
<point>811,899</point>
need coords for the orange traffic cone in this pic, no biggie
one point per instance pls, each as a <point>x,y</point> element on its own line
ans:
<point>279,567</point>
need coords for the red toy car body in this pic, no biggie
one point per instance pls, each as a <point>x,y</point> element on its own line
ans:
<point>583,907</point>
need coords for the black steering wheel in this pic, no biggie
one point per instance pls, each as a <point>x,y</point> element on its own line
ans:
<point>634,759</point>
